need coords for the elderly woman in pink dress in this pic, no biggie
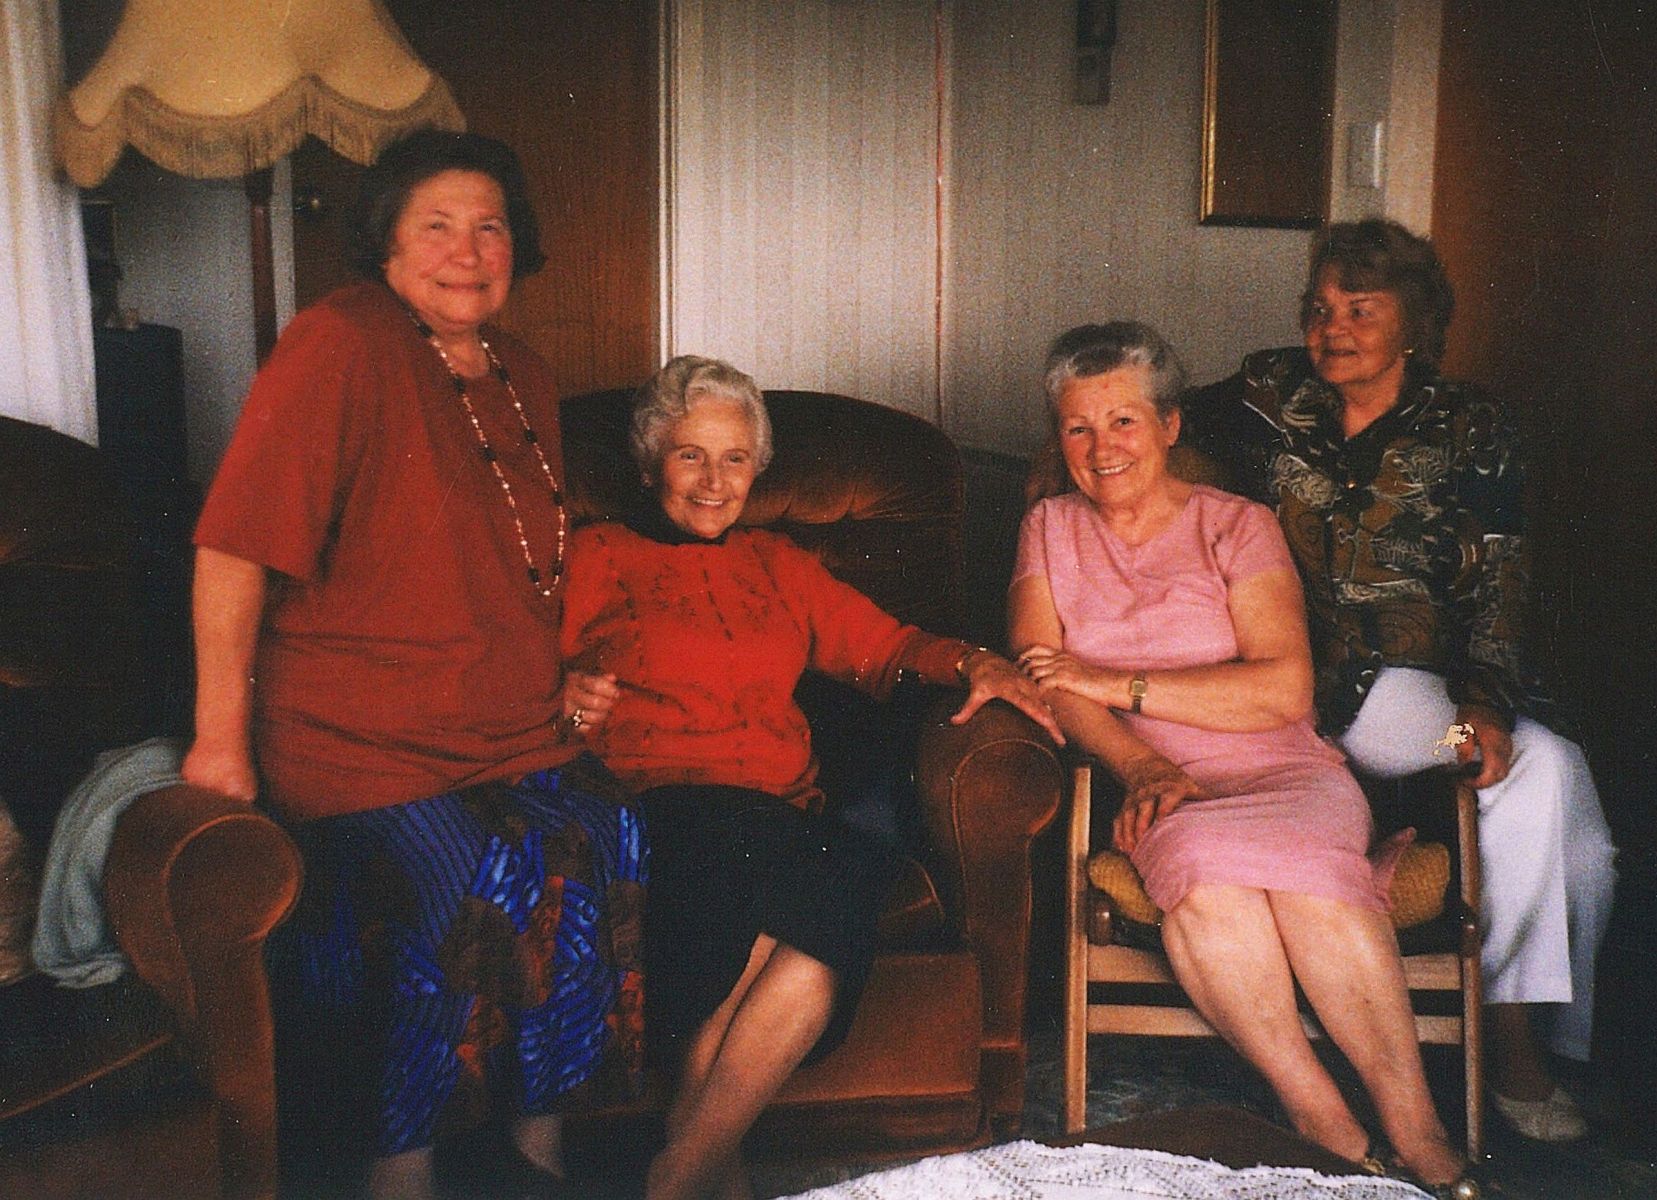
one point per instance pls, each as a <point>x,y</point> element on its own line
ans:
<point>1165,625</point>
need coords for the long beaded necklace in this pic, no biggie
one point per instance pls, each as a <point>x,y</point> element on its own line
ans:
<point>545,584</point>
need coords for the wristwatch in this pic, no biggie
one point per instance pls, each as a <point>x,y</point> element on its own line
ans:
<point>1136,691</point>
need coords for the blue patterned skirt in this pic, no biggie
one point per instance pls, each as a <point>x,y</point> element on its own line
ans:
<point>478,950</point>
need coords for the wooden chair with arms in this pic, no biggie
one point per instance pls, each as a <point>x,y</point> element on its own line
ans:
<point>1118,981</point>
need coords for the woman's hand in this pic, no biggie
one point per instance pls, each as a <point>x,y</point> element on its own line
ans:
<point>1054,668</point>
<point>1492,742</point>
<point>587,699</point>
<point>223,768</point>
<point>1155,787</point>
<point>991,677</point>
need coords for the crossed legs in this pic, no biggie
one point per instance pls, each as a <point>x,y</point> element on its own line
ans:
<point>736,1062</point>
<point>1238,952</point>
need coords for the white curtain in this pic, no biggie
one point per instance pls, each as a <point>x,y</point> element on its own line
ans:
<point>45,306</point>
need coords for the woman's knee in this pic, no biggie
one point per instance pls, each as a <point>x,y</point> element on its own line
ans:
<point>1218,910</point>
<point>811,976</point>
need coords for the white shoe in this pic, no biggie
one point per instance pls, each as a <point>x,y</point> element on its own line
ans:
<point>1555,1119</point>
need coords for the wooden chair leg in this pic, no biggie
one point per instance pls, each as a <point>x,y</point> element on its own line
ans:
<point>1075,954</point>
<point>1472,972</point>
<point>1472,1041</point>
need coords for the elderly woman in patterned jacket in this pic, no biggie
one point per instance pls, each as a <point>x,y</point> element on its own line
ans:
<point>1400,494</point>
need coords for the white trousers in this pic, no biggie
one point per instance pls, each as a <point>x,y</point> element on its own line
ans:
<point>1544,849</point>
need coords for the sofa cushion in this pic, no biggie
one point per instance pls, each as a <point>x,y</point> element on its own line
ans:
<point>58,1039</point>
<point>908,1071</point>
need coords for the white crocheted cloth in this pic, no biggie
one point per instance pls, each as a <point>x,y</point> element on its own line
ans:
<point>1031,1171</point>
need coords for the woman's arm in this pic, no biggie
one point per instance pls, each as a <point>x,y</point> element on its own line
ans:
<point>1268,685</point>
<point>228,603</point>
<point>1154,787</point>
<point>855,640</point>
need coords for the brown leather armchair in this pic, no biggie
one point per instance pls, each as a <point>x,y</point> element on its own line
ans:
<point>936,1056</point>
<point>162,1083</point>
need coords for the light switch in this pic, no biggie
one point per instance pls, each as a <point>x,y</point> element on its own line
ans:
<point>1363,154</point>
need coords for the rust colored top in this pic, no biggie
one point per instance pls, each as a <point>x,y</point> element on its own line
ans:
<point>405,651</point>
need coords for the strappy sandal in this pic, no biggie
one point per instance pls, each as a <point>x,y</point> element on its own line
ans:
<point>1374,1160</point>
<point>1474,1183</point>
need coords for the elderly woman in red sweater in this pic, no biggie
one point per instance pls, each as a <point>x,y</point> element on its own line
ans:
<point>759,926</point>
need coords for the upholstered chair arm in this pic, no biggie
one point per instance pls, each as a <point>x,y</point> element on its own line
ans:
<point>193,884</point>
<point>987,788</point>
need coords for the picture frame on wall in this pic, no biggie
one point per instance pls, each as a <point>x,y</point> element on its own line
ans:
<point>1268,99</point>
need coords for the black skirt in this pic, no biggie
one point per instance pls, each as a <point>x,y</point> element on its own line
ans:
<point>728,864</point>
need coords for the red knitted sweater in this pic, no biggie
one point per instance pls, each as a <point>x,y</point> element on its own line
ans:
<point>708,640</point>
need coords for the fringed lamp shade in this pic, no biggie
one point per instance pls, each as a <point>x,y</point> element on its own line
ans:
<point>215,89</point>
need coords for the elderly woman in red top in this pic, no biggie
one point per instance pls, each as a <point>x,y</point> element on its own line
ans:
<point>759,927</point>
<point>376,613</point>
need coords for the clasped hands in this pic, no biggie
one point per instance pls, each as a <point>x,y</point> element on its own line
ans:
<point>991,677</point>
<point>1153,787</point>
<point>1052,668</point>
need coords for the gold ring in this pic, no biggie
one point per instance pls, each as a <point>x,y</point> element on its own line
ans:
<point>576,719</point>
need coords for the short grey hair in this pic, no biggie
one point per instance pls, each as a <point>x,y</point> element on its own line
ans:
<point>1089,350</point>
<point>666,399</point>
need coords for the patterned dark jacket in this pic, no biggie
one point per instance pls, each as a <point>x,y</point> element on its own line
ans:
<point>1408,536</point>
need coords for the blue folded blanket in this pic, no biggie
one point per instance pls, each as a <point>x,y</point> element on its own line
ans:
<point>72,942</point>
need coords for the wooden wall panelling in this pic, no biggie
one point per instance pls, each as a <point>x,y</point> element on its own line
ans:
<point>1546,218</point>
<point>571,86</point>
<point>804,233</point>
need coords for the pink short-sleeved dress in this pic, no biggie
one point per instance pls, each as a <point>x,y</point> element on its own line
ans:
<point>1284,813</point>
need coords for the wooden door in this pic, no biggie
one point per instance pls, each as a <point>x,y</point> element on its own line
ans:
<point>1545,214</point>
<point>570,86</point>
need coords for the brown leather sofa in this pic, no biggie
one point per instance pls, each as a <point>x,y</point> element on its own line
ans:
<point>159,1085</point>
<point>936,1056</point>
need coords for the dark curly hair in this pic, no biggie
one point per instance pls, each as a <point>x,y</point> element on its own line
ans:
<point>1382,256</point>
<point>414,158</point>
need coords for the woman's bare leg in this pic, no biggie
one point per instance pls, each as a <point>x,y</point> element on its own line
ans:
<point>540,1139</point>
<point>731,1180</point>
<point>1517,1067</point>
<point>1346,959</point>
<point>772,1025</point>
<point>1225,950</point>
<point>404,1176</point>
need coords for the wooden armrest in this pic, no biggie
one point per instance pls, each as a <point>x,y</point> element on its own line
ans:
<point>1467,864</point>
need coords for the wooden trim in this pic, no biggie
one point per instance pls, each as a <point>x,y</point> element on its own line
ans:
<point>1078,959</point>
